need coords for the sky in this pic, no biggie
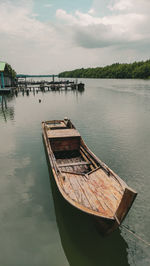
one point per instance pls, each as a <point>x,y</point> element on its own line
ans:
<point>51,36</point>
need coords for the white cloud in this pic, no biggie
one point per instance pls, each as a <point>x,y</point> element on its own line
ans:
<point>26,42</point>
<point>91,31</point>
<point>137,6</point>
<point>63,15</point>
<point>75,39</point>
<point>20,22</point>
<point>121,5</point>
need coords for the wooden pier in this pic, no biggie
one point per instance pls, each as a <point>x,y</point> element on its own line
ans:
<point>50,86</point>
<point>30,82</point>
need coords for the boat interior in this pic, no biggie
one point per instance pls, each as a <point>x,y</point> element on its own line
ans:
<point>66,146</point>
<point>85,180</point>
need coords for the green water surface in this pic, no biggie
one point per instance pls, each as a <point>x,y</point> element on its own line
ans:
<point>37,227</point>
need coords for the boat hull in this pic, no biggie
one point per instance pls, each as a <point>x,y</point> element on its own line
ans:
<point>106,222</point>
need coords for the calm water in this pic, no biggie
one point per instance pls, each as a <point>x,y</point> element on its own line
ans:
<point>37,227</point>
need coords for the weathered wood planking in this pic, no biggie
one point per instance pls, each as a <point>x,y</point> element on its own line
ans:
<point>99,186</point>
<point>62,133</point>
<point>56,125</point>
<point>83,151</point>
<point>74,164</point>
<point>67,159</point>
<point>107,183</point>
<point>81,198</point>
<point>86,193</point>
<point>94,202</point>
<point>106,189</point>
<point>66,144</point>
<point>69,190</point>
<point>103,196</point>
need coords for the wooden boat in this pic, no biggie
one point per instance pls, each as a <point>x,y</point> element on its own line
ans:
<point>83,179</point>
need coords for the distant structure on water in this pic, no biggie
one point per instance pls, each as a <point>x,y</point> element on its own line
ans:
<point>7,76</point>
<point>24,83</point>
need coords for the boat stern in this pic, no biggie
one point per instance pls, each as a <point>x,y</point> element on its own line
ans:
<point>125,204</point>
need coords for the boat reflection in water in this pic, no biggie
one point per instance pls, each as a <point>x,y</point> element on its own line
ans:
<point>81,241</point>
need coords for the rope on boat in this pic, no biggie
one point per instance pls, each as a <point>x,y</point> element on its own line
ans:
<point>135,235</point>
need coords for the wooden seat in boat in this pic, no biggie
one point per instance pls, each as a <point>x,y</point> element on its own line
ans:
<point>63,133</point>
<point>74,164</point>
<point>54,125</point>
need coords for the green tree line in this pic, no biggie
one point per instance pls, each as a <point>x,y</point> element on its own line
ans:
<point>134,70</point>
<point>9,71</point>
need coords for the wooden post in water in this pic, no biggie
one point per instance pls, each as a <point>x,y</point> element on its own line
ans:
<point>2,80</point>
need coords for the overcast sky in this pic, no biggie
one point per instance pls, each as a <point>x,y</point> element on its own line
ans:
<point>50,36</point>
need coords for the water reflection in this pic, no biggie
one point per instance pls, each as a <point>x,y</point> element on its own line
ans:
<point>6,111</point>
<point>82,243</point>
<point>60,91</point>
